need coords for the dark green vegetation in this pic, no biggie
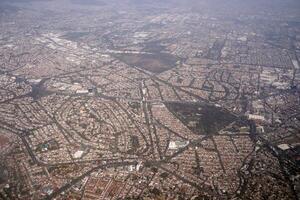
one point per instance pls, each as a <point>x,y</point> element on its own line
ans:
<point>89,2</point>
<point>214,52</point>
<point>3,174</point>
<point>202,119</point>
<point>74,36</point>
<point>155,63</point>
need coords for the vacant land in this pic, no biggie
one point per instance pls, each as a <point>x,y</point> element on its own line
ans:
<point>155,63</point>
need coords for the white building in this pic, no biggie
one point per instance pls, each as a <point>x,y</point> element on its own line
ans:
<point>82,91</point>
<point>284,147</point>
<point>78,154</point>
<point>256,117</point>
<point>173,145</point>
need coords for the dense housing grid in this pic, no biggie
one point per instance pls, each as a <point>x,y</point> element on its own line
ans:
<point>140,99</point>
